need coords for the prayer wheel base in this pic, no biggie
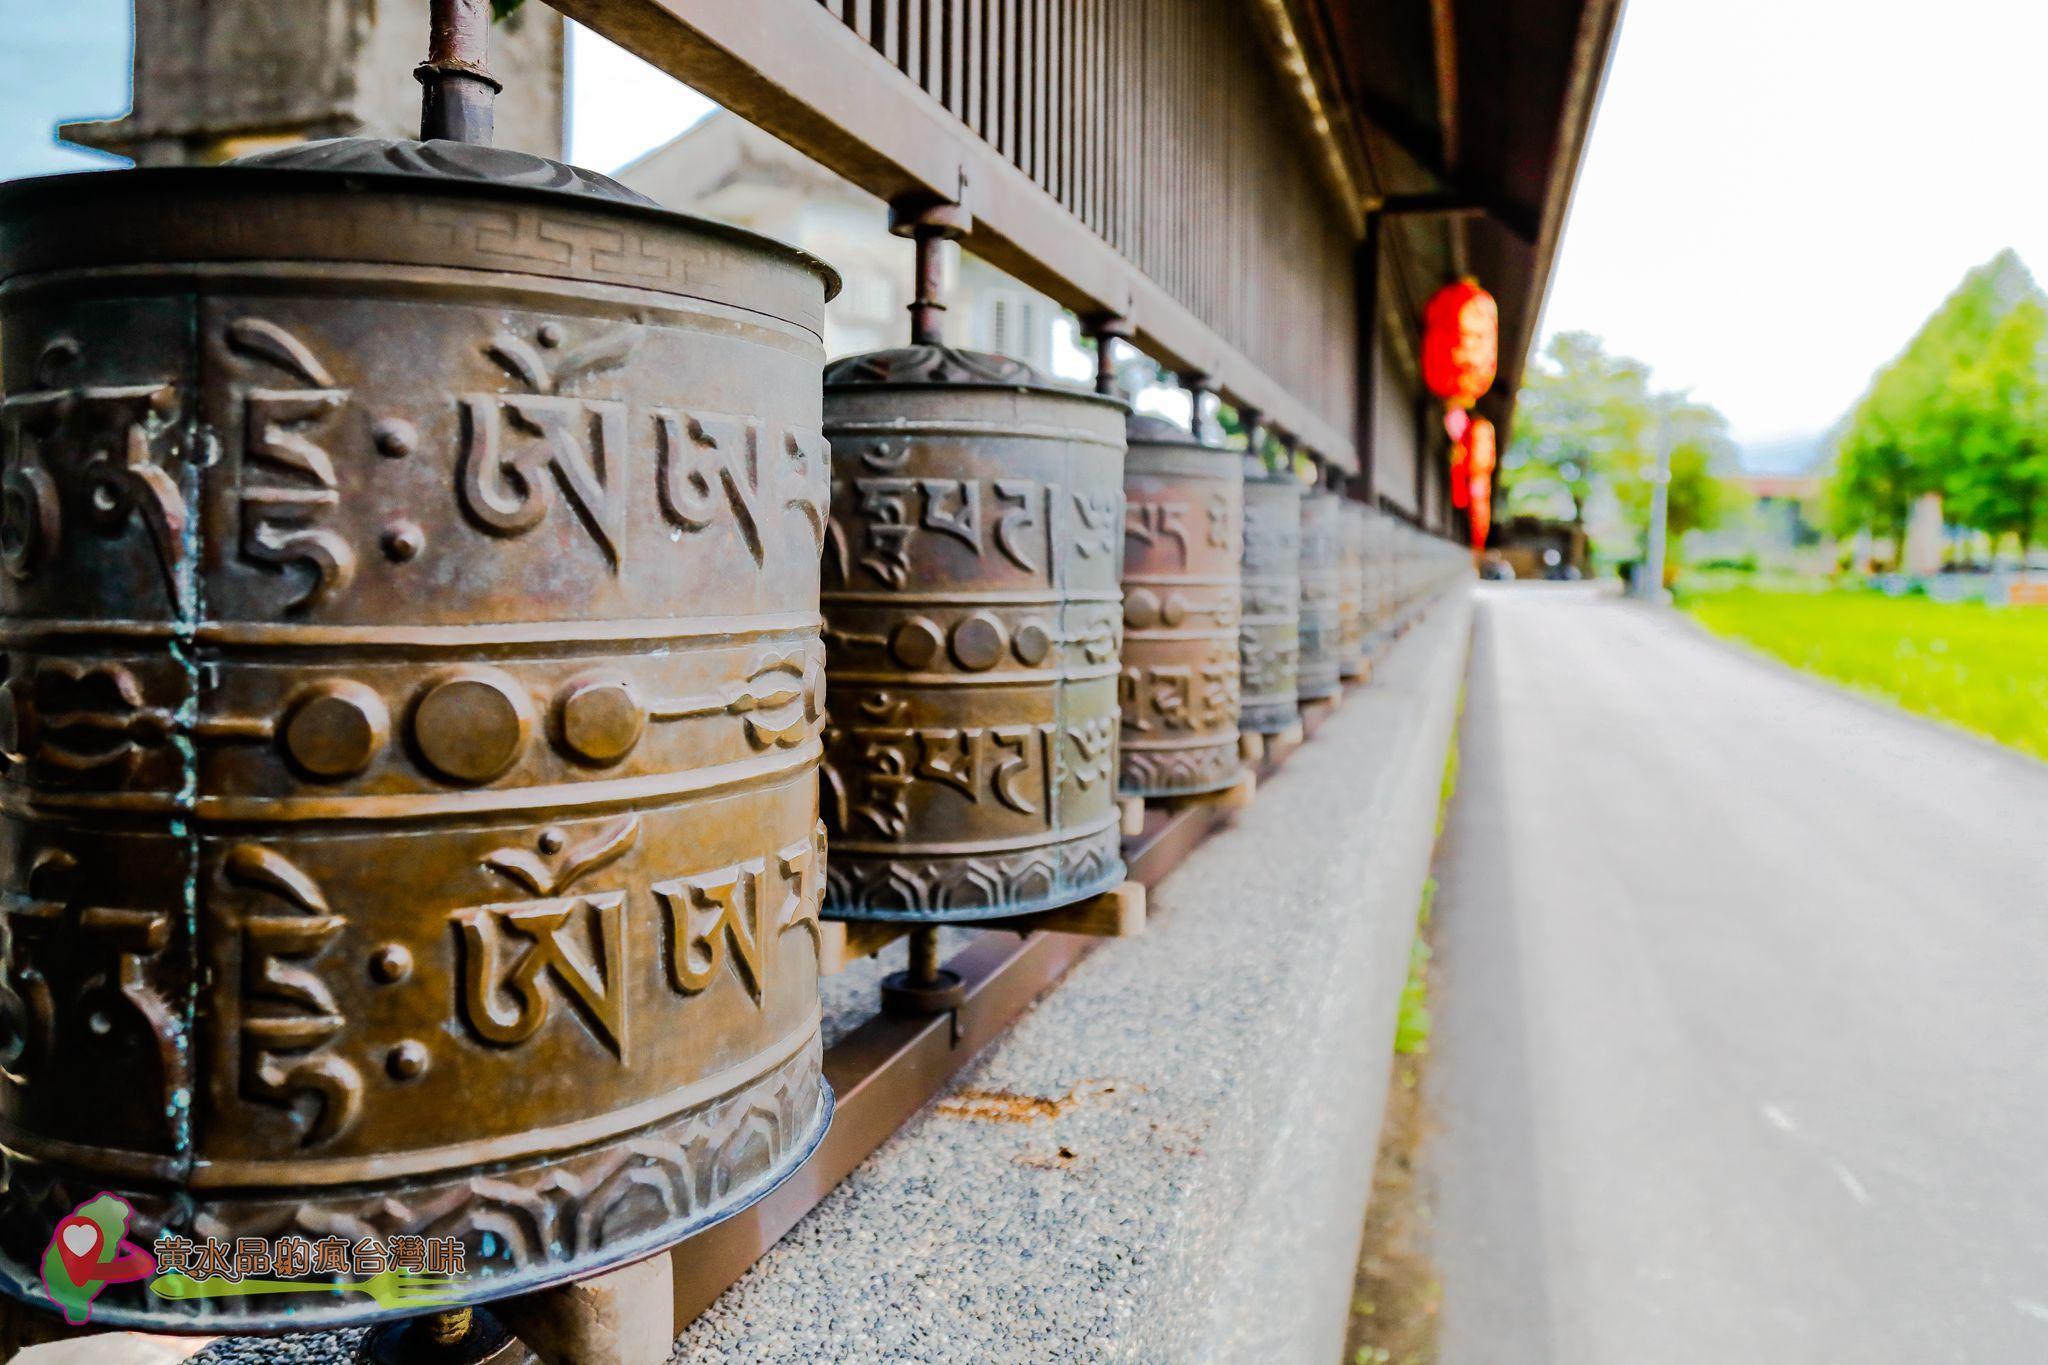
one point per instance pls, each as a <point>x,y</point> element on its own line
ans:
<point>966,889</point>
<point>1159,774</point>
<point>904,996</point>
<point>1277,720</point>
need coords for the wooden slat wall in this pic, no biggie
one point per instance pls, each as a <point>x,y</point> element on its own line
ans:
<point>1396,450</point>
<point>1162,125</point>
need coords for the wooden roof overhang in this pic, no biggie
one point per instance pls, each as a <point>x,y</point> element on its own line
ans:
<point>1204,170</point>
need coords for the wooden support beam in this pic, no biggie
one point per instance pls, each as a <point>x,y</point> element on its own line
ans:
<point>1117,913</point>
<point>1453,206</point>
<point>845,942</point>
<point>1280,745</point>
<point>1131,811</point>
<point>22,1328</point>
<point>1236,796</point>
<point>1444,34</point>
<point>626,1316</point>
<point>1318,709</point>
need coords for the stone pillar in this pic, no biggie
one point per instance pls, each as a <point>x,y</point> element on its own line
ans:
<point>1924,537</point>
<point>215,79</point>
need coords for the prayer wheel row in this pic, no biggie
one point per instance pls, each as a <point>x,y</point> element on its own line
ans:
<point>420,755</point>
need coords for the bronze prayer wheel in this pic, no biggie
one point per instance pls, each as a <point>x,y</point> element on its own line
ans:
<point>1269,625</point>
<point>1408,571</point>
<point>412,710</point>
<point>1351,588</point>
<point>1321,537</point>
<point>1184,510</point>
<point>1379,577</point>
<point>974,616</point>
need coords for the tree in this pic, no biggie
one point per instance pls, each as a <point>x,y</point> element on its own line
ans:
<point>1875,481</point>
<point>1587,419</point>
<point>1582,415</point>
<point>1997,480</point>
<point>1697,498</point>
<point>1959,412</point>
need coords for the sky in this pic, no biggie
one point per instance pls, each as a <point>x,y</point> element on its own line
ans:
<point>71,60</point>
<point>619,106</point>
<point>58,62</point>
<point>1778,192</point>
<point>1775,194</point>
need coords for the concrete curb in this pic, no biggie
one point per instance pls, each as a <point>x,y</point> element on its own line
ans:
<point>1169,1159</point>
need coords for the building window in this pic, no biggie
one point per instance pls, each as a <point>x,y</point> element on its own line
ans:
<point>1012,324</point>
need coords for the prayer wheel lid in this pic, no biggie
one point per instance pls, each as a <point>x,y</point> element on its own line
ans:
<point>459,162</point>
<point>441,159</point>
<point>446,165</point>
<point>1142,428</point>
<point>946,367</point>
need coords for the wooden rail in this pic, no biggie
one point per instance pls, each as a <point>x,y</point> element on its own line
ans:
<point>1138,158</point>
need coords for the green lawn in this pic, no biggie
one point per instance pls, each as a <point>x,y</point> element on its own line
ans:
<point>1983,668</point>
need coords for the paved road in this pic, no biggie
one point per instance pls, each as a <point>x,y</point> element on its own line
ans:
<point>1741,1006</point>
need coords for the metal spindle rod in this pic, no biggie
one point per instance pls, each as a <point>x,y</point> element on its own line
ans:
<point>924,956</point>
<point>927,311</point>
<point>1201,413</point>
<point>449,1328</point>
<point>1107,329</point>
<point>458,88</point>
<point>928,222</point>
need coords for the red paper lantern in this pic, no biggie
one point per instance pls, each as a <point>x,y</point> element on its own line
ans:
<point>1460,343</point>
<point>1472,459</point>
<point>1480,451</point>
<point>1480,456</point>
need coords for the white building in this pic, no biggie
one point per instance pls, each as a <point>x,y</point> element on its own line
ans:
<point>724,168</point>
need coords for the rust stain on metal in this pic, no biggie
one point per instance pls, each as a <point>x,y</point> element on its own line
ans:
<point>1007,1106</point>
<point>1003,1106</point>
